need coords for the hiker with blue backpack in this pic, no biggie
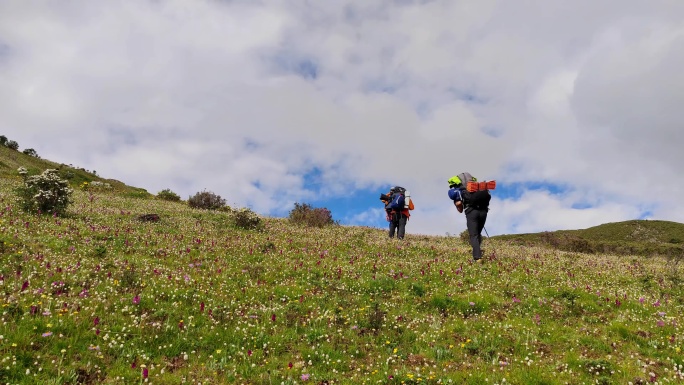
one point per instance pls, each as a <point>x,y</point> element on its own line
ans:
<point>398,203</point>
<point>473,198</point>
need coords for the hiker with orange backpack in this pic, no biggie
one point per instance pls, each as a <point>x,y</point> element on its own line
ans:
<point>472,197</point>
<point>398,203</point>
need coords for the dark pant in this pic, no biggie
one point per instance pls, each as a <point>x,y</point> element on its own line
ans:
<point>475,220</point>
<point>397,223</point>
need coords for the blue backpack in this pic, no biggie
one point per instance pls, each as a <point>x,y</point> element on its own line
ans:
<point>397,201</point>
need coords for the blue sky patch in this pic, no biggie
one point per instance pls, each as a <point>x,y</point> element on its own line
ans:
<point>380,86</point>
<point>468,97</point>
<point>251,145</point>
<point>303,67</point>
<point>313,179</point>
<point>345,206</point>
<point>494,132</point>
<point>516,190</point>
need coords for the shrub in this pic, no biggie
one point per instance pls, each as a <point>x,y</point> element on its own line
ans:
<point>31,152</point>
<point>245,218</point>
<point>138,193</point>
<point>44,193</point>
<point>465,236</point>
<point>206,200</point>
<point>67,174</point>
<point>13,145</point>
<point>97,185</point>
<point>3,140</point>
<point>168,195</point>
<point>306,214</point>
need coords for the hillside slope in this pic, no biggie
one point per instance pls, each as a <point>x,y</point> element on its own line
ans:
<point>642,237</point>
<point>99,297</point>
<point>11,160</point>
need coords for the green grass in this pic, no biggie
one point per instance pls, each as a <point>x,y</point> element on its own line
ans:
<point>11,160</point>
<point>635,237</point>
<point>93,296</point>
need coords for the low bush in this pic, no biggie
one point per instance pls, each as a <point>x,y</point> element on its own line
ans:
<point>305,214</point>
<point>168,195</point>
<point>31,152</point>
<point>206,200</point>
<point>465,236</point>
<point>245,218</point>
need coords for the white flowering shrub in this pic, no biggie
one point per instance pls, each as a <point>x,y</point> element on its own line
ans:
<point>245,218</point>
<point>97,185</point>
<point>44,193</point>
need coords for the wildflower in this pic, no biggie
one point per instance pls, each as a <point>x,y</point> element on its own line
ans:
<point>249,353</point>
<point>472,303</point>
<point>201,307</point>
<point>47,334</point>
<point>145,372</point>
<point>305,377</point>
<point>96,321</point>
<point>136,299</point>
<point>273,317</point>
<point>25,285</point>
<point>515,299</point>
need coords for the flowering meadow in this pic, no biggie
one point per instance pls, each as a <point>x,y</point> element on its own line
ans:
<point>98,297</point>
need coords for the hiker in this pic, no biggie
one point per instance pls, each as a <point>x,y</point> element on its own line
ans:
<point>398,203</point>
<point>475,204</point>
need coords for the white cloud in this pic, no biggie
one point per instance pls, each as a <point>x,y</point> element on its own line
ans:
<point>245,98</point>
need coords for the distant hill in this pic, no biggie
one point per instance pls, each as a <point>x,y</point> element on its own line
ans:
<point>11,160</point>
<point>641,237</point>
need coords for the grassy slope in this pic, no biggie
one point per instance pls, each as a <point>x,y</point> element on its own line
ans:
<point>11,160</point>
<point>94,296</point>
<point>642,237</point>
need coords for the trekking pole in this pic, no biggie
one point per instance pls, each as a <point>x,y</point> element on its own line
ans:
<point>490,238</point>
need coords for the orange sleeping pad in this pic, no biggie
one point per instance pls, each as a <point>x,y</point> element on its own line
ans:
<point>479,186</point>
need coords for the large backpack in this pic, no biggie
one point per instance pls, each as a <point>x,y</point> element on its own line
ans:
<point>397,199</point>
<point>476,199</point>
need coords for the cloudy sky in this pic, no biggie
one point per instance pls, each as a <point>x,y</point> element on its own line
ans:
<point>574,107</point>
